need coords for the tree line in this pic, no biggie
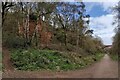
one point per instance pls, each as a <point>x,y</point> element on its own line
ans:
<point>116,39</point>
<point>52,25</point>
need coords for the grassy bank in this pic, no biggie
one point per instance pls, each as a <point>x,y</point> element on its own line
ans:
<point>50,60</point>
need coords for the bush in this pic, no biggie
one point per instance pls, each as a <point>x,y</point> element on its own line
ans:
<point>60,36</point>
<point>13,42</point>
<point>114,57</point>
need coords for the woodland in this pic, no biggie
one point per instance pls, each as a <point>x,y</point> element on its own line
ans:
<point>52,36</point>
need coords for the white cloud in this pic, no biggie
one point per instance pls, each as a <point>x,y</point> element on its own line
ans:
<point>103,27</point>
<point>89,5</point>
<point>107,6</point>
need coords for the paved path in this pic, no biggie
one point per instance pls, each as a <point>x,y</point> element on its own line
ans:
<point>106,68</point>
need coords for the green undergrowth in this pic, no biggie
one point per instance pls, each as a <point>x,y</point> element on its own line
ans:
<point>114,57</point>
<point>0,57</point>
<point>34,59</point>
<point>0,61</point>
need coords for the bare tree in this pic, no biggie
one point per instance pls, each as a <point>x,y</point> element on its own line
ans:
<point>5,7</point>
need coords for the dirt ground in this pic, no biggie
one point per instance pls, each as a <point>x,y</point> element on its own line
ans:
<point>105,68</point>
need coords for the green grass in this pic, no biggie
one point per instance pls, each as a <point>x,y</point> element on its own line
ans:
<point>114,57</point>
<point>0,57</point>
<point>0,66</point>
<point>50,60</point>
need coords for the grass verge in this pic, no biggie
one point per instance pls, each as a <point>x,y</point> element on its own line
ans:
<point>114,57</point>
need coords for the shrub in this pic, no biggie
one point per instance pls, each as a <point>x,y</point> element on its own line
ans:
<point>14,42</point>
<point>60,36</point>
<point>114,57</point>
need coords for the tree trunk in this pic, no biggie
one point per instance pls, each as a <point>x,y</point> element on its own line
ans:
<point>27,40</point>
<point>77,41</point>
<point>65,33</point>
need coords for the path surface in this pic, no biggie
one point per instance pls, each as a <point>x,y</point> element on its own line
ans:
<point>106,68</point>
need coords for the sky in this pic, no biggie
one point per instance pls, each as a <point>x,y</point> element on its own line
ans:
<point>101,19</point>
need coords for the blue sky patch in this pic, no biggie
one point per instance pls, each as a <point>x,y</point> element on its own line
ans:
<point>101,20</point>
<point>94,9</point>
